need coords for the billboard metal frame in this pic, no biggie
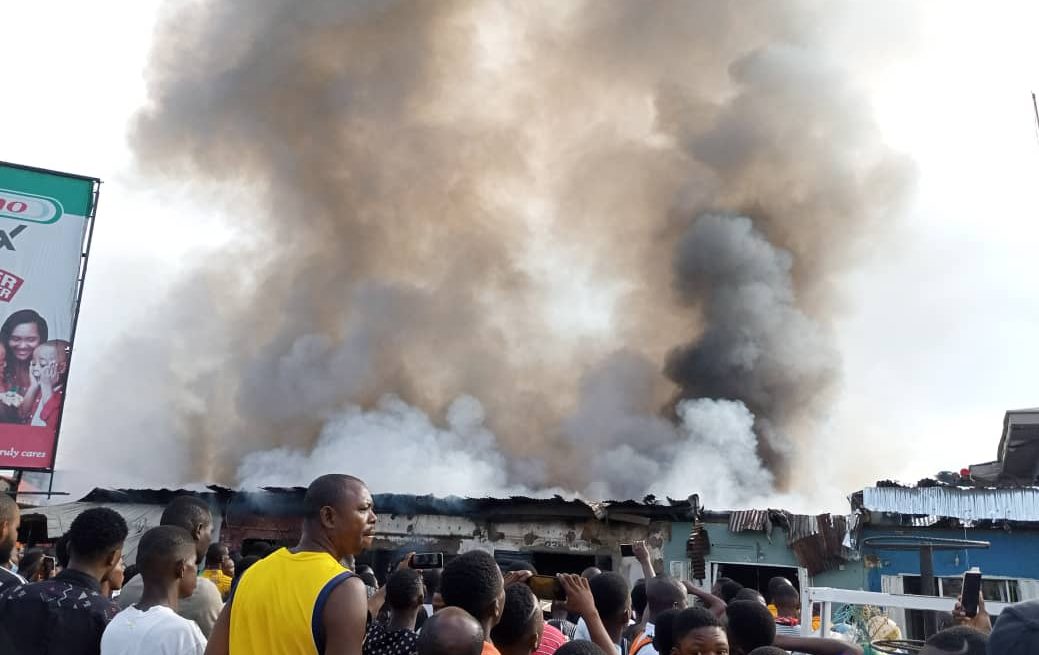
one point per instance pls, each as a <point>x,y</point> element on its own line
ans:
<point>84,257</point>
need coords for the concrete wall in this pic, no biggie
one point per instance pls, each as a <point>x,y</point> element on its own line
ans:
<point>454,535</point>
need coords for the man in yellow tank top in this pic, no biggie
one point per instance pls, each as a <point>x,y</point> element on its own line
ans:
<point>302,601</point>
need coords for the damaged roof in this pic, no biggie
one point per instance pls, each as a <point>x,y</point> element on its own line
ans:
<point>288,501</point>
<point>1017,457</point>
<point>966,504</point>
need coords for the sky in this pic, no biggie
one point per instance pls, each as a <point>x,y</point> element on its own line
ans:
<point>938,331</point>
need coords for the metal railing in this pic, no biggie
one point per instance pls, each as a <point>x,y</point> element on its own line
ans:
<point>827,596</point>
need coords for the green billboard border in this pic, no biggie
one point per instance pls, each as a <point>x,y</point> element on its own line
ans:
<point>75,193</point>
<point>57,203</point>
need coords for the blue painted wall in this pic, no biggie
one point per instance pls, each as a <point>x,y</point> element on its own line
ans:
<point>755,548</point>
<point>1012,554</point>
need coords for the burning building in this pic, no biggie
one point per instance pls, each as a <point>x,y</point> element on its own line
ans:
<point>555,534</point>
<point>500,248</point>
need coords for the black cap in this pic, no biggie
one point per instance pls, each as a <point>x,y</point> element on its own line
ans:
<point>1016,631</point>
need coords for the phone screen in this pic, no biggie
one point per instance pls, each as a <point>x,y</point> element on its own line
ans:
<point>546,587</point>
<point>427,561</point>
<point>971,592</point>
<point>627,550</point>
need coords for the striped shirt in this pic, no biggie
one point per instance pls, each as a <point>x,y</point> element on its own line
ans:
<point>551,640</point>
<point>788,630</point>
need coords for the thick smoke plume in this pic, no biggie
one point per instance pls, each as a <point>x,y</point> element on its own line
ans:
<point>757,346</point>
<point>490,246</point>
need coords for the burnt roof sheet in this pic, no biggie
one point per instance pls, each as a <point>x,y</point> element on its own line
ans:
<point>288,500</point>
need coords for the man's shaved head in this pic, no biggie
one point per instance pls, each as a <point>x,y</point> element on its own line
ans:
<point>591,572</point>
<point>330,490</point>
<point>664,593</point>
<point>192,514</point>
<point>451,631</point>
<point>340,509</point>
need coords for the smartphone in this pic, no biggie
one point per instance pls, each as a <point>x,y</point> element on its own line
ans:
<point>971,591</point>
<point>547,587</point>
<point>49,564</point>
<point>427,561</point>
<point>627,550</point>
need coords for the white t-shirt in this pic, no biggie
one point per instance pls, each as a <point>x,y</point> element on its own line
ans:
<point>203,607</point>
<point>159,631</point>
<point>583,633</point>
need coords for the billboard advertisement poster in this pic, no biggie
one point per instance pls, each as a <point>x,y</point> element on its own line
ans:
<point>44,218</point>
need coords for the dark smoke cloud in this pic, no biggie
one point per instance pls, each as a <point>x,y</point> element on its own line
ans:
<point>757,346</point>
<point>428,185</point>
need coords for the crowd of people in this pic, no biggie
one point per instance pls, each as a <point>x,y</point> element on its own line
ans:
<point>311,599</point>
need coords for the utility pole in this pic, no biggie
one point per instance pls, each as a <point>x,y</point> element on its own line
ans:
<point>1035,108</point>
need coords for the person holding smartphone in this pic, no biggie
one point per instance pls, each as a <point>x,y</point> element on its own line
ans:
<point>404,592</point>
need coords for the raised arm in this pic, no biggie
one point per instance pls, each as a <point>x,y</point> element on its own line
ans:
<point>981,621</point>
<point>642,555</point>
<point>376,602</point>
<point>816,646</point>
<point>714,605</point>
<point>580,601</point>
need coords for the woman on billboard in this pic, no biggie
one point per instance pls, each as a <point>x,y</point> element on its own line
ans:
<point>21,334</point>
<point>10,401</point>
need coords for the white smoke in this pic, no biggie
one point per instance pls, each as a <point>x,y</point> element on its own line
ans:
<point>400,448</point>
<point>397,447</point>
<point>716,456</point>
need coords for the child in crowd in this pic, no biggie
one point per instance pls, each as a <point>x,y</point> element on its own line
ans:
<point>166,559</point>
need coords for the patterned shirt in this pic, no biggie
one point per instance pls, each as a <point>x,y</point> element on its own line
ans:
<point>8,579</point>
<point>65,615</point>
<point>382,641</point>
<point>551,640</point>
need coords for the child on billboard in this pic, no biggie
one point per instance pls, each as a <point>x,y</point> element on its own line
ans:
<point>49,371</point>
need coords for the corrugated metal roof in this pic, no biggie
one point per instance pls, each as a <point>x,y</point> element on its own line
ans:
<point>1015,504</point>
<point>801,527</point>
<point>749,520</point>
<point>697,548</point>
<point>818,541</point>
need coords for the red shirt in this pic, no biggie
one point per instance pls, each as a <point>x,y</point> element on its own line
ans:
<point>49,413</point>
<point>489,649</point>
<point>551,640</point>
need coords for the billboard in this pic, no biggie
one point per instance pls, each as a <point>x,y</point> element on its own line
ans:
<point>44,229</point>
